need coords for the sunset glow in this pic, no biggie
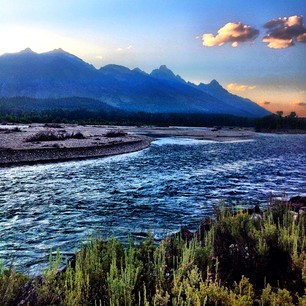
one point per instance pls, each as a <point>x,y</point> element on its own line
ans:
<point>254,49</point>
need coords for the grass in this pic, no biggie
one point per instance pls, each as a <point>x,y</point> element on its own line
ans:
<point>239,261</point>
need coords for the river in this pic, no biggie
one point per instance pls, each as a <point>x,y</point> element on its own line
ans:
<point>175,182</point>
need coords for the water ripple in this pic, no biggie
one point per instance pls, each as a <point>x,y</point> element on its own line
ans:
<point>175,182</point>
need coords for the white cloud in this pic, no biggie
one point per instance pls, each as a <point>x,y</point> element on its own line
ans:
<point>120,49</point>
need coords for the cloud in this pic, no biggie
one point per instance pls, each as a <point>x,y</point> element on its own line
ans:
<point>264,103</point>
<point>99,57</point>
<point>298,103</point>
<point>284,32</point>
<point>239,87</point>
<point>232,32</point>
<point>125,48</point>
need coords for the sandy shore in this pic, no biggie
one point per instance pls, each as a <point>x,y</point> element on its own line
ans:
<point>18,146</point>
<point>15,147</point>
<point>214,134</point>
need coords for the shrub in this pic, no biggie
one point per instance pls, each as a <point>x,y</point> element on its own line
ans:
<point>53,125</point>
<point>115,133</point>
<point>51,135</point>
<point>229,265</point>
<point>12,286</point>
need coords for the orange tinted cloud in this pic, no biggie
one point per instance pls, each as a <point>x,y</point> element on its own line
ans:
<point>232,32</point>
<point>284,32</point>
<point>299,104</point>
<point>287,108</point>
<point>239,87</point>
<point>264,103</point>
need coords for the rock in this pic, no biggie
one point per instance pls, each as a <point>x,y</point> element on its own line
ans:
<point>298,201</point>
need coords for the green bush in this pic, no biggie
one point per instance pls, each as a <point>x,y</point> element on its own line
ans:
<point>13,286</point>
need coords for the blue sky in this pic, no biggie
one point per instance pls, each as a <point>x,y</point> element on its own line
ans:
<point>147,34</point>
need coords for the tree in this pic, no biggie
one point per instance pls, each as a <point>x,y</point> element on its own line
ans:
<point>292,115</point>
<point>280,114</point>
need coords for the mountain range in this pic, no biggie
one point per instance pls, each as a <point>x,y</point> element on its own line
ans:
<point>59,74</point>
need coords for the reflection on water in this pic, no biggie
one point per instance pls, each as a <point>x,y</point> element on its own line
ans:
<point>175,182</point>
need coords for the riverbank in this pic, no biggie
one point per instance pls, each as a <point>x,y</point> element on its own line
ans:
<point>240,258</point>
<point>37,143</point>
<point>219,134</point>
<point>22,144</point>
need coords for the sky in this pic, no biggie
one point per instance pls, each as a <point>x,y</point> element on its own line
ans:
<point>255,49</point>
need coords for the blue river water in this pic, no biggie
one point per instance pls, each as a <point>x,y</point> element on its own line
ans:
<point>175,182</point>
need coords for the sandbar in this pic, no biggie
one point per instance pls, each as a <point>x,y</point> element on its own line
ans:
<point>97,140</point>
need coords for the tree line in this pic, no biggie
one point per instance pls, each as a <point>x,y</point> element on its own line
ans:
<point>88,111</point>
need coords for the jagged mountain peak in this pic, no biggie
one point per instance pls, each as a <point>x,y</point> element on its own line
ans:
<point>113,68</point>
<point>26,50</point>
<point>215,85</point>
<point>164,68</point>
<point>138,70</point>
<point>164,73</point>
<point>60,51</point>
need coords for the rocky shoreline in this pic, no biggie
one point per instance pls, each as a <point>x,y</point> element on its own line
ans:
<point>30,156</point>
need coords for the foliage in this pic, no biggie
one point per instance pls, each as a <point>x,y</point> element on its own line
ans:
<point>51,135</point>
<point>115,133</point>
<point>12,286</point>
<point>88,111</point>
<point>241,260</point>
<point>278,122</point>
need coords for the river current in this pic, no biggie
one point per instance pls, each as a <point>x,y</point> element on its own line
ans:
<point>175,182</point>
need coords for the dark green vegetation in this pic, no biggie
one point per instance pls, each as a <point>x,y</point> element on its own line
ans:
<point>90,111</point>
<point>280,122</point>
<point>239,259</point>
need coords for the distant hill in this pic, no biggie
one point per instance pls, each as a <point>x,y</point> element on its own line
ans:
<point>58,74</point>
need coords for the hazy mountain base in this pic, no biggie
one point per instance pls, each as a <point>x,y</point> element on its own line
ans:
<point>240,259</point>
<point>88,111</point>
